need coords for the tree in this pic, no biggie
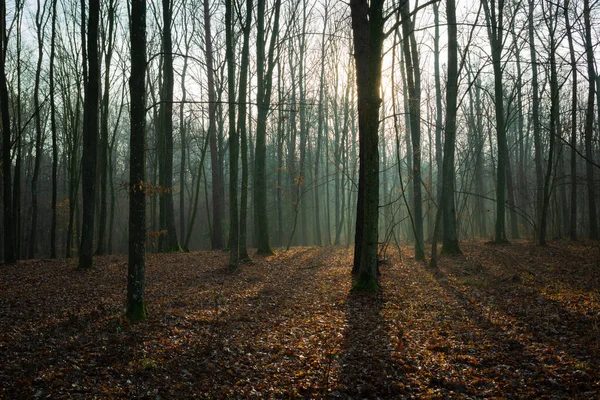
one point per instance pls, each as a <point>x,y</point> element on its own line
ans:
<point>265,64</point>
<point>368,36</point>
<point>90,138</point>
<point>241,125</point>
<point>136,305</point>
<point>496,29</point>
<point>589,121</point>
<point>168,241</point>
<point>108,46</point>
<point>53,128</point>
<point>218,205</point>
<point>450,240</point>
<point>39,137</point>
<point>9,247</point>
<point>233,141</point>
<point>413,80</point>
<point>573,141</point>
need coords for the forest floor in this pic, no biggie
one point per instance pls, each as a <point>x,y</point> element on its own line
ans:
<point>515,321</point>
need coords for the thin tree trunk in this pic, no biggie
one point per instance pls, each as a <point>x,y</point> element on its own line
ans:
<point>573,141</point>
<point>242,121</point>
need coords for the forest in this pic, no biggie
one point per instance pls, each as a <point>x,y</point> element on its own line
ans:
<point>300,199</point>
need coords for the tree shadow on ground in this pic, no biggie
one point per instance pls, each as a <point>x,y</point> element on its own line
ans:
<point>371,366</point>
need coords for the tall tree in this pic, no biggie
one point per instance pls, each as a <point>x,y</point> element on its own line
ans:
<point>241,125</point>
<point>589,120</point>
<point>535,114</point>
<point>573,141</point>
<point>413,80</point>
<point>53,129</point>
<point>218,204</point>
<point>265,64</point>
<point>9,247</point>
<point>495,13</point>
<point>450,240</point>
<point>136,305</point>
<point>168,241</point>
<point>368,36</point>
<point>90,138</point>
<point>233,140</point>
<point>39,137</point>
<point>108,46</point>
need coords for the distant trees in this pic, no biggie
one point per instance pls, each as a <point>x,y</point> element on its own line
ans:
<point>300,127</point>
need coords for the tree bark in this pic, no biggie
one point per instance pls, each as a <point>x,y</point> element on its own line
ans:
<point>218,204</point>
<point>136,305</point>
<point>90,139</point>
<point>450,241</point>
<point>368,36</point>
<point>9,248</point>
<point>589,122</point>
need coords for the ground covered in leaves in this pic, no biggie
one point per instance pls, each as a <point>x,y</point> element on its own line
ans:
<point>515,321</point>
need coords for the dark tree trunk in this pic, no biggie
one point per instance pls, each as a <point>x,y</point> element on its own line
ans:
<point>551,22</point>
<point>167,242</point>
<point>90,139</point>
<point>413,80</point>
<point>589,121</point>
<point>218,204</point>
<point>108,48</point>
<point>450,240</point>
<point>136,305</point>
<point>9,244</point>
<point>535,111</point>
<point>241,124</point>
<point>496,32</point>
<point>573,141</point>
<point>54,135</point>
<point>368,36</point>
<point>265,80</point>
<point>39,138</point>
<point>233,140</point>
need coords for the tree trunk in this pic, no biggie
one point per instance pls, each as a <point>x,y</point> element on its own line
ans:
<point>450,240</point>
<point>265,80</point>
<point>413,80</point>
<point>243,98</point>
<point>573,141</point>
<point>168,241</point>
<point>368,35</point>
<point>495,31</point>
<point>9,248</point>
<point>54,135</point>
<point>90,139</point>
<point>233,140</point>
<point>136,305</point>
<point>39,137</point>
<point>108,48</point>
<point>589,122</point>
<point>218,204</point>
<point>535,111</point>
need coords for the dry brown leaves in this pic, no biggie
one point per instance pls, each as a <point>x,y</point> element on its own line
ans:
<point>515,321</point>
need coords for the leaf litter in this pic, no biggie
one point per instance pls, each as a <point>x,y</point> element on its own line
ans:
<point>515,321</point>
